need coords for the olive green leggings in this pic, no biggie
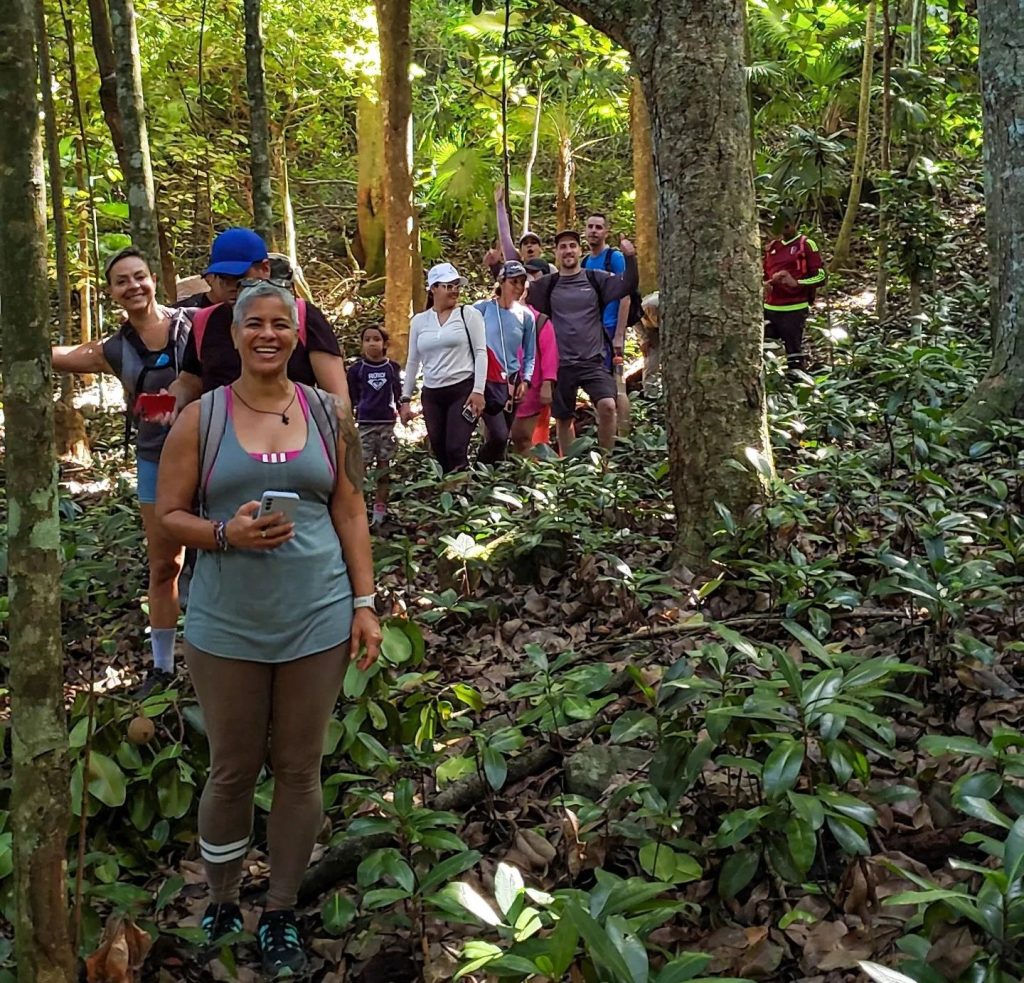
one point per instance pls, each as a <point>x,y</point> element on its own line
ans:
<point>246,706</point>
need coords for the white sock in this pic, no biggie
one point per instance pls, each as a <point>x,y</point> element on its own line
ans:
<point>162,641</point>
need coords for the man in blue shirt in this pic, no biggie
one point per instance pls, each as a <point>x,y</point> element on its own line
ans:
<point>615,315</point>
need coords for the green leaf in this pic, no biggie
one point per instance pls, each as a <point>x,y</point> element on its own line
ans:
<point>383,896</point>
<point>475,904</point>
<point>1013,855</point>
<point>167,892</point>
<point>982,809</point>
<point>173,795</point>
<point>495,768</point>
<point>508,882</point>
<point>607,959</point>
<point>337,914</point>
<point>632,950</point>
<point>782,768</point>
<point>448,870</point>
<point>850,835</point>
<point>469,696</point>
<point>632,725</point>
<point>736,873</point>
<point>395,645</point>
<point>683,968</point>
<point>106,780</point>
<point>663,863</point>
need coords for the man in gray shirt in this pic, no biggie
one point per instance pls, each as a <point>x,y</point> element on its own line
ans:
<point>574,299</point>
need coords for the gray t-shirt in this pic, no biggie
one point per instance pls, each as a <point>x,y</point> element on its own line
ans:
<point>576,314</point>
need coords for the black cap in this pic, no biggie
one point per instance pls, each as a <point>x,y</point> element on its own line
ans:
<point>571,233</point>
<point>538,265</point>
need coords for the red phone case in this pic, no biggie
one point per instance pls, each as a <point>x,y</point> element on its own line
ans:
<point>149,405</point>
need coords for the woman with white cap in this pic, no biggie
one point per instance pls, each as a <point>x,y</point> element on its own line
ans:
<point>448,342</point>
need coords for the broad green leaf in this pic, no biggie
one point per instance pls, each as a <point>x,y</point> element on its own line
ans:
<point>395,645</point>
<point>782,768</point>
<point>683,967</point>
<point>633,724</point>
<point>508,882</point>
<point>337,913</point>
<point>107,781</point>
<point>736,873</point>
<point>447,870</point>
<point>1013,856</point>
<point>882,974</point>
<point>495,768</point>
<point>662,862</point>
<point>984,810</point>
<point>475,904</point>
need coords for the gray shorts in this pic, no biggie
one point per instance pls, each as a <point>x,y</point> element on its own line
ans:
<point>379,443</point>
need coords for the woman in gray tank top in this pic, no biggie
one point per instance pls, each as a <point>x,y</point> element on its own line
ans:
<point>275,608</point>
<point>144,353</point>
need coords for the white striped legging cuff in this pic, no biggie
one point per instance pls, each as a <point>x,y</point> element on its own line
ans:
<point>224,853</point>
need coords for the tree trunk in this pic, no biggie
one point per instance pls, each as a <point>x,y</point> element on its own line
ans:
<point>882,276</point>
<point>401,251</point>
<point>841,255</point>
<point>369,244</point>
<point>688,55</point>
<point>103,48</point>
<point>138,166</point>
<point>259,127</point>
<point>291,241</point>
<point>39,802</point>
<point>915,40</point>
<point>531,162</point>
<point>1000,395</point>
<point>646,225</point>
<point>565,191</point>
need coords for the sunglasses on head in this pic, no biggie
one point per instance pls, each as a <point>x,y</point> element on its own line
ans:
<point>283,284</point>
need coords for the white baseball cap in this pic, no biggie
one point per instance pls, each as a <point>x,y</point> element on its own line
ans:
<point>444,273</point>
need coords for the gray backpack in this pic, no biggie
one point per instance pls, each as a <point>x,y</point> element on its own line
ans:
<point>213,421</point>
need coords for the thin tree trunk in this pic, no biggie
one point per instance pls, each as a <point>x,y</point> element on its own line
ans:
<point>688,55</point>
<point>1000,395</point>
<point>370,210</point>
<point>291,243</point>
<point>106,63</point>
<point>401,252</point>
<point>842,251</point>
<point>259,127</point>
<point>565,192</point>
<point>39,802</point>
<point>915,41</point>
<point>138,166</point>
<point>646,209</point>
<point>531,162</point>
<point>882,278</point>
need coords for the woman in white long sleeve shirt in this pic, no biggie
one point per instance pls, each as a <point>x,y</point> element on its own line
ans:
<point>448,342</point>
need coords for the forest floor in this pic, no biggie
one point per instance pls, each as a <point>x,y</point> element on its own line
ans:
<point>562,732</point>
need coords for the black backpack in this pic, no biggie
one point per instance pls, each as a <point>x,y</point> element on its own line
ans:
<point>635,300</point>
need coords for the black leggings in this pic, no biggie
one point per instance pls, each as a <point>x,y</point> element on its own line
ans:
<point>449,431</point>
<point>496,425</point>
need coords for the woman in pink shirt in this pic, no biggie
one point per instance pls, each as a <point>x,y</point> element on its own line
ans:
<point>533,416</point>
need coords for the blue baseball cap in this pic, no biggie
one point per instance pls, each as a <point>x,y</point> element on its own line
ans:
<point>235,250</point>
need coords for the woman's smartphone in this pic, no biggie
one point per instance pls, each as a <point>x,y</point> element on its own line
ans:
<point>279,501</point>
<point>468,415</point>
<point>151,405</point>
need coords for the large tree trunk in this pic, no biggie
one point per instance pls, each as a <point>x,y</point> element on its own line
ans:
<point>138,166</point>
<point>103,47</point>
<point>646,209</point>
<point>1000,395</point>
<point>402,254</point>
<point>841,255</point>
<point>369,244</point>
<point>39,803</point>
<point>688,55</point>
<point>259,127</point>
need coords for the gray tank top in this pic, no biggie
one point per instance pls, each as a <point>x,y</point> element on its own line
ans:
<point>272,605</point>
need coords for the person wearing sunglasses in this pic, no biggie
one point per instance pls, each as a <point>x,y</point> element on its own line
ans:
<point>145,353</point>
<point>448,342</point>
<point>239,258</point>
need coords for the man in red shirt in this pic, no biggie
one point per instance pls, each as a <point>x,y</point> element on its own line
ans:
<point>793,269</point>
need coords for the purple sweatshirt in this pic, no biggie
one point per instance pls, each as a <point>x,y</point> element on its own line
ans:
<point>375,389</point>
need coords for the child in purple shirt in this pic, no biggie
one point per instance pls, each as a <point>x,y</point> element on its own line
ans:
<point>375,385</point>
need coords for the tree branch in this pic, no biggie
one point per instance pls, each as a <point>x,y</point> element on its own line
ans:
<point>616,18</point>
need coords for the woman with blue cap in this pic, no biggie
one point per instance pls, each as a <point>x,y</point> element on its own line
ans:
<point>145,353</point>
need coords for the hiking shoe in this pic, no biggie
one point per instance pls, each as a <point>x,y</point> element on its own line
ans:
<point>220,920</point>
<point>156,679</point>
<point>278,936</point>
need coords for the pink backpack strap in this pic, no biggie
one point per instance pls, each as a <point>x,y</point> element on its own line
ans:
<point>300,306</point>
<point>200,321</point>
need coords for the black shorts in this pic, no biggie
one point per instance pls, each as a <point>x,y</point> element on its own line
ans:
<point>592,377</point>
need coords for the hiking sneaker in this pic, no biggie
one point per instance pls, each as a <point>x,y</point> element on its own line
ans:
<point>156,680</point>
<point>220,920</point>
<point>278,936</point>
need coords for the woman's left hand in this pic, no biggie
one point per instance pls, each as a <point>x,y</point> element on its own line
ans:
<point>476,403</point>
<point>365,632</point>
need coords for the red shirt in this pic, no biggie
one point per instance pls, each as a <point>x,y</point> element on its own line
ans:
<point>800,258</point>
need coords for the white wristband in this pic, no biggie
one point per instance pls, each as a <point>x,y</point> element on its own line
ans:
<point>365,601</point>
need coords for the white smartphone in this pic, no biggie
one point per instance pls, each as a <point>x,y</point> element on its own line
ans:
<point>279,501</point>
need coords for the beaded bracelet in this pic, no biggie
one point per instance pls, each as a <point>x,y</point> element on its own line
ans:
<point>220,535</point>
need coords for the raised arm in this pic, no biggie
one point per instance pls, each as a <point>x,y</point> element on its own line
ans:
<point>616,287</point>
<point>80,359</point>
<point>508,247</point>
